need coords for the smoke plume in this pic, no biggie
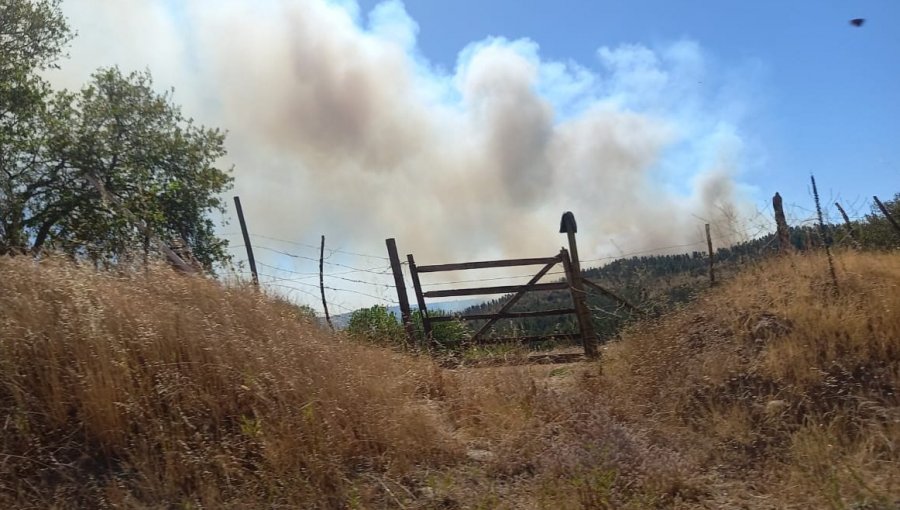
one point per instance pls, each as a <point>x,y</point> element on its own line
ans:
<point>338,125</point>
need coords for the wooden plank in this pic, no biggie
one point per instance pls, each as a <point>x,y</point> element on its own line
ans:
<point>504,289</point>
<point>420,299</point>
<point>508,315</point>
<point>509,304</point>
<point>400,285</point>
<point>487,264</point>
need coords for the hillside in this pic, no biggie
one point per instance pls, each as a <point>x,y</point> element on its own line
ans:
<point>784,390</point>
<point>156,390</point>
<point>659,283</point>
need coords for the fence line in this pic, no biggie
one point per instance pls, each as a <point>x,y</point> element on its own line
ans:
<point>313,285</point>
<point>373,289</point>
<point>331,251</point>
<point>297,277</point>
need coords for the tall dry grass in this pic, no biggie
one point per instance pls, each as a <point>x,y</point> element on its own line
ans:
<point>159,391</point>
<point>128,390</point>
<point>777,383</point>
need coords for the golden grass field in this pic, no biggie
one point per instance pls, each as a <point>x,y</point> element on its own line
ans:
<point>153,390</point>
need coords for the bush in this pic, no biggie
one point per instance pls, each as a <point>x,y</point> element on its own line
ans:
<point>448,335</point>
<point>377,325</point>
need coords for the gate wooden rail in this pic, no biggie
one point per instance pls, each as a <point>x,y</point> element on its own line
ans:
<point>573,282</point>
<point>504,313</point>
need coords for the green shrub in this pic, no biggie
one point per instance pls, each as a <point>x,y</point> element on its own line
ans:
<point>376,324</point>
<point>448,335</point>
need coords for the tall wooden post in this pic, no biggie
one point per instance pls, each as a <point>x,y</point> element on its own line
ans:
<point>240,213</point>
<point>401,289</point>
<point>586,324</point>
<point>850,230</point>
<point>712,257</point>
<point>826,238</point>
<point>420,299</point>
<point>784,234</point>
<point>322,282</point>
<point>887,215</point>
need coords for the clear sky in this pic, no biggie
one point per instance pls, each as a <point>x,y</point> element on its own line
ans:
<point>829,92</point>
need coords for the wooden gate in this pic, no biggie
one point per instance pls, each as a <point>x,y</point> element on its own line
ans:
<point>585,333</point>
<point>573,281</point>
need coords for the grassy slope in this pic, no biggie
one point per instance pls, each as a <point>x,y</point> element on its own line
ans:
<point>773,382</point>
<point>132,390</point>
<point>163,391</point>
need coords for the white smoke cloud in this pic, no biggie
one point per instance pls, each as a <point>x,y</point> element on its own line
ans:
<point>339,125</point>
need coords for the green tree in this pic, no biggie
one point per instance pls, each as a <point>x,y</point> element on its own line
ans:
<point>32,36</point>
<point>117,131</point>
<point>161,167</point>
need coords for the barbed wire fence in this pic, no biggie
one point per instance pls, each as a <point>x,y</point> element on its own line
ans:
<point>351,277</point>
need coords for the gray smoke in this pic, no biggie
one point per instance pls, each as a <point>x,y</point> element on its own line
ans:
<point>338,125</point>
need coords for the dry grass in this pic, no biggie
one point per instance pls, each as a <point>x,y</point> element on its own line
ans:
<point>137,391</point>
<point>777,383</point>
<point>158,391</point>
<point>163,390</point>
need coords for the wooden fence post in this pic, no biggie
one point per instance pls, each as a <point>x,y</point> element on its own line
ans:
<point>247,245</point>
<point>573,268</point>
<point>824,233</point>
<point>401,289</point>
<point>322,282</point>
<point>782,230</point>
<point>712,257</point>
<point>420,299</point>
<point>887,215</point>
<point>850,229</point>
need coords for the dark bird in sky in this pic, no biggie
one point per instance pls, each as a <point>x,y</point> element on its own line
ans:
<point>857,22</point>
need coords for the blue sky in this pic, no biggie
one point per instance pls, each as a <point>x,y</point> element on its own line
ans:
<point>827,94</point>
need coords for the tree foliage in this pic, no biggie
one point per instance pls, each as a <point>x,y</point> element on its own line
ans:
<point>118,131</point>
